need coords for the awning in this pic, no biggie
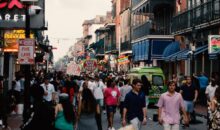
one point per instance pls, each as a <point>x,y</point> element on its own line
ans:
<point>183,55</point>
<point>173,57</point>
<point>214,55</point>
<point>140,50</point>
<point>158,47</point>
<point>201,49</point>
<point>171,49</point>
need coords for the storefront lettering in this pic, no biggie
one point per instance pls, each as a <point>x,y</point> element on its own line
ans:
<point>15,17</point>
<point>11,4</point>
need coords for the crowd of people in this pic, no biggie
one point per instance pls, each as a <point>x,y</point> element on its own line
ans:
<point>63,102</point>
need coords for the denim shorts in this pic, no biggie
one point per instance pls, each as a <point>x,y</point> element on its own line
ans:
<point>189,106</point>
<point>111,108</point>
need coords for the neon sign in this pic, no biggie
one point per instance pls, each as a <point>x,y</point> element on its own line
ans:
<point>11,4</point>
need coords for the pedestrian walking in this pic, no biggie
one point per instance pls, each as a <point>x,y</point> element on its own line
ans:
<point>42,116</point>
<point>49,91</point>
<point>87,108</point>
<point>146,86</point>
<point>170,104</point>
<point>125,89</point>
<point>111,95</point>
<point>214,111</point>
<point>135,110</point>
<point>98,93</point>
<point>64,113</point>
<point>189,93</point>
<point>210,90</point>
<point>203,83</point>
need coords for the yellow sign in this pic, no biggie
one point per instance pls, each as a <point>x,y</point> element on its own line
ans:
<point>16,34</point>
<point>11,38</point>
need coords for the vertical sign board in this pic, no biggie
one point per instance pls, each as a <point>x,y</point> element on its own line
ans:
<point>26,51</point>
<point>214,43</point>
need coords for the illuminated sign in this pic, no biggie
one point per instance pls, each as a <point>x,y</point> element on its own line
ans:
<point>11,38</point>
<point>12,15</point>
<point>16,34</point>
<point>11,4</point>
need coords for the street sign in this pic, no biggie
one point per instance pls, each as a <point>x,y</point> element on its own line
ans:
<point>26,51</point>
<point>214,43</point>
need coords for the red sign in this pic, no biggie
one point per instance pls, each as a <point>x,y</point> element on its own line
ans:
<point>26,51</point>
<point>90,65</point>
<point>11,4</point>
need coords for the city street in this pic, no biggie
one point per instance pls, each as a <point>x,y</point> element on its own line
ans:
<point>15,122</point>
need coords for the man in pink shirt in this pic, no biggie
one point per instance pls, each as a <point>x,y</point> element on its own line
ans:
<point>170,104</point>
<point>111,96</point>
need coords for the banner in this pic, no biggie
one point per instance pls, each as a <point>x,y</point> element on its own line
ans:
<point>123,60</point>
<point>214,43</point>
<point>26,51</point>
<point>90,65</point>
<point>73,69</point>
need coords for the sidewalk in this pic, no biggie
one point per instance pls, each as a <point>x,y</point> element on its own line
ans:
<point>201,110</point>
<point>14,122</point>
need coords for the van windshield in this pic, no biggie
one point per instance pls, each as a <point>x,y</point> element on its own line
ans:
<point>157,80</point>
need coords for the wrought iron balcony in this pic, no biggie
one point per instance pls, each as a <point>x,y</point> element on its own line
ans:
<point>202,16</point>
<point>109,48</point>
<point>125,46</point>
<point>150,28</point>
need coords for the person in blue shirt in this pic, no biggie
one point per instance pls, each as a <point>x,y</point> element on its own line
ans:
<point>203,83</point>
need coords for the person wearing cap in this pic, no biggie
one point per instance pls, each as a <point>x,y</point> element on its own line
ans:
<point>49,91</point>
<point>64,114</point>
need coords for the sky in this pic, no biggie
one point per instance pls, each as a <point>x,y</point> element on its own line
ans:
<point>65,18</point>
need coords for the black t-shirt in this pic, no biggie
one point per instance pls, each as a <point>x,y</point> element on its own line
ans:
<point>188,92</point>
<point>134,104</point>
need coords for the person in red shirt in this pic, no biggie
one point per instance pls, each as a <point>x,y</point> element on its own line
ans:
<point>111,96</point>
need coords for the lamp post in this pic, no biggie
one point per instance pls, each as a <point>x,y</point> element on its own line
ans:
<point>47,43</point>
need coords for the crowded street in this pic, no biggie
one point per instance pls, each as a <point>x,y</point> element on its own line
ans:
<point>15,121</point>
<point>109,64</point>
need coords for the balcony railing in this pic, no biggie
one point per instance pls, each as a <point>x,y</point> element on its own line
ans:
<point>150,28</point>
<point>199,15</point>
<point>110,47</point>
<point>125,46</point>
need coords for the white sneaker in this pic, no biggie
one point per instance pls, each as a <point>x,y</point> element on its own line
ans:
<point>1,122</point>
<point>104,111</point>
<point>113,128</point>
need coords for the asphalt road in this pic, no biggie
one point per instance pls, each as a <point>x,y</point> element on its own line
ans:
<point>16,120</point>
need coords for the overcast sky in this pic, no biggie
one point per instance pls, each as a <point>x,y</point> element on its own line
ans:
<point>65,18</point>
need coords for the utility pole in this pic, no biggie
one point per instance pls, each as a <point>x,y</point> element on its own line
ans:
<point>27,70</point>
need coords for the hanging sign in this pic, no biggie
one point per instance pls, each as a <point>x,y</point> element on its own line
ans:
<point>26,51</point>
<point>214,43</point>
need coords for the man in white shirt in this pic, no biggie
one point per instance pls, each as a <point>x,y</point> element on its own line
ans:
<point>49,91</point>
<point>210,90</point>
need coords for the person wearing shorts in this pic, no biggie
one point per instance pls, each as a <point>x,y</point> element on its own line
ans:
<point>190,94</point>
<point>111,96</point>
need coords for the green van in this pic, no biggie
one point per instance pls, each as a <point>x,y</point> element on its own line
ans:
<point>156,77</point>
